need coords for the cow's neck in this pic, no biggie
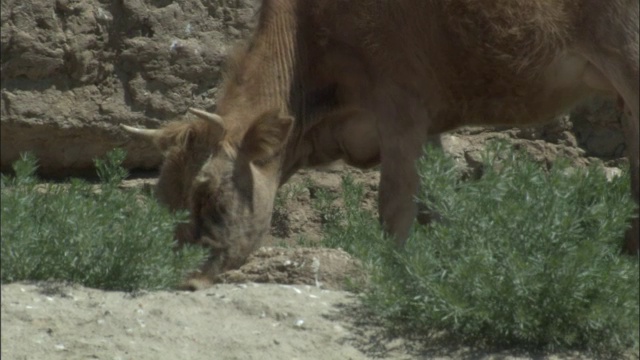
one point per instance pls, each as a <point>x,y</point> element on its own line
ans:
<point>271,73</point>
<point>265,74</point>
<point>278,37</point>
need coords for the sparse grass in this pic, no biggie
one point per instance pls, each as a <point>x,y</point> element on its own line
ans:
<point>524,257</point>
<point>103,238</point>
<point>288,192</point>
<point>303,241</point>
<point>351,228</point>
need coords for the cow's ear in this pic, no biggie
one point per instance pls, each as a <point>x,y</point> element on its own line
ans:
<point>187,139</point>
<point>170,137</point>
<point>266,136</point>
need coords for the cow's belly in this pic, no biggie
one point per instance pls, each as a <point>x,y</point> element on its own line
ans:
<point>344,134</point>
<point>359,140</point>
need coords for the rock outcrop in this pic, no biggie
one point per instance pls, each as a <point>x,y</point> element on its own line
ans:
<point>72,70</point>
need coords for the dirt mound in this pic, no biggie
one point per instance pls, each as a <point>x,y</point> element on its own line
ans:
<point>323,268</point>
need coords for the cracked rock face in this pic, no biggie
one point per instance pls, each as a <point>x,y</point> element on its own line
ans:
<point>72,70</point>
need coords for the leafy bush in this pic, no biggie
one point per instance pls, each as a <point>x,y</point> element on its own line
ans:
<point>354,230</point>
<point>523,257</point>
<point>97,236</point>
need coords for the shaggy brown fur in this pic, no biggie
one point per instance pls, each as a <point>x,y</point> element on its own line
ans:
<point>368,81</point>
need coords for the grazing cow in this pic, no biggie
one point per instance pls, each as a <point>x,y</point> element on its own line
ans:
<point>367,81</point>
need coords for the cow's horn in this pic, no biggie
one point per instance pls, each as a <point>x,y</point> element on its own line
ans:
<point>215,118</point>
<point>149,133</point>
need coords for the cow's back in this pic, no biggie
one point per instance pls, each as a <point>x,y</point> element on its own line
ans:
<point>485,61</point>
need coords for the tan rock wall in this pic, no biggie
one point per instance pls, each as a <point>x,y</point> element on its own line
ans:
<point>72,70</point>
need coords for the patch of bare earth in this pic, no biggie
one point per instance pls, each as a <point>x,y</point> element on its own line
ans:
<point>228,321</point>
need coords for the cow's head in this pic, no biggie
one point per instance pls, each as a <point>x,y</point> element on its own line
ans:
<point>226,176</point>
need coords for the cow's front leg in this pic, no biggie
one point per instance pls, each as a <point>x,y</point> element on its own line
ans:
<point>398,186</point>
<point>401,143</point>
<point>402,121</point>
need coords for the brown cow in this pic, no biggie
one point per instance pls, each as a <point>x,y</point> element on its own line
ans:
<point>367,81</point>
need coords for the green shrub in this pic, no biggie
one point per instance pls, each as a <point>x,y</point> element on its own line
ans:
<point>97,236</point>
<point>352,227</point>
<point>523,257</point>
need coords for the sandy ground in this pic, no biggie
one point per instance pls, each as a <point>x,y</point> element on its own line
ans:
<point>253,321</point>
<point>230,321</point>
